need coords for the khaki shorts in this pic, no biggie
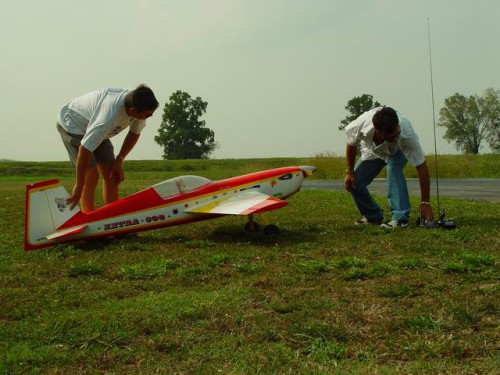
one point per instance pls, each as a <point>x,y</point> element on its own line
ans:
<point>103,154</point>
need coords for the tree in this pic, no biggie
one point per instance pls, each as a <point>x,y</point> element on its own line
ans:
<point>356,107</point>
<point>491,105</point>
<point>469,121</point>
<point>182,134</point>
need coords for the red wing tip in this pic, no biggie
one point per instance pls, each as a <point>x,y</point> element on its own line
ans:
<point>40,184</point>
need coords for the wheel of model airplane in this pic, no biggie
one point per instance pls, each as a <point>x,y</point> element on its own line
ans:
<point>271,229</point>
<point>252,226</point>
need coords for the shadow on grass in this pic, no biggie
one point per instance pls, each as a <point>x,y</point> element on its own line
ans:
<point>84,245</point>
<point>235,234</point>
<point>224,234</point>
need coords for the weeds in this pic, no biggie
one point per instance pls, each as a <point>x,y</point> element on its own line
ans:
<point>149,270</point>
<point>321,297</point>
<point>84,269</point>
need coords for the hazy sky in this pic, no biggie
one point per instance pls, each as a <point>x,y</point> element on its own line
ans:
<point>276,74</point>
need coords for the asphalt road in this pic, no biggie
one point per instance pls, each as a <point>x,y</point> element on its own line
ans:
<point>470,189</point>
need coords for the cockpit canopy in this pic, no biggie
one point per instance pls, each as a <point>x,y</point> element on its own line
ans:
<point>179,185</point>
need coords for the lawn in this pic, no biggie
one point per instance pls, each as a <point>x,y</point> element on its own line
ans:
<point>321,297</point>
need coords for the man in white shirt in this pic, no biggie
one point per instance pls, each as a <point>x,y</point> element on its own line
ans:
<point>86,124</point>
<point>385,138</point>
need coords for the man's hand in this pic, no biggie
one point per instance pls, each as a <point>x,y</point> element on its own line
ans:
<point>350,181</point>
<point>75,197</point>
<point>426,213</point>
<point>116,173</point>
<point>350,156</point>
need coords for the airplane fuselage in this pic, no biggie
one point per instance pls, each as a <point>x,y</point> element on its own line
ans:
<point>178,201</point>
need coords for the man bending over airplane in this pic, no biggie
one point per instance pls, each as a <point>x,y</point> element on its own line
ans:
<point>86,124</point>
<point>385,138</point>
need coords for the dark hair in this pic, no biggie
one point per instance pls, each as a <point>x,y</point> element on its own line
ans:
<point>385,120</point>
<point>142,98</point>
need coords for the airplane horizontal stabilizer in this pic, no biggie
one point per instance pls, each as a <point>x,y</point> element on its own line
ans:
<point>66,232</point>
<point>246,203</point>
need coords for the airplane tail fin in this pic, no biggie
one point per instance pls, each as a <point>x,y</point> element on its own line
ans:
<point>46,210</point>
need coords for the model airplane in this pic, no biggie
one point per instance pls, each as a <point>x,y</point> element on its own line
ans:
<point>49,220</point>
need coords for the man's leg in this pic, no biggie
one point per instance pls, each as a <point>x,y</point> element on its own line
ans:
<point>364,172</point>
<point>87,201</point>
<point>105,157</point>
<point>397,188</point>
<point>72,144</point>
<point>110,186</point>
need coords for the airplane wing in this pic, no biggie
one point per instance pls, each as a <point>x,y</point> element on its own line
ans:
<point>66,232</point>
<point>246,203</point>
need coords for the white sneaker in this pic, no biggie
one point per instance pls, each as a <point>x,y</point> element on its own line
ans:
<point>395,224</point>
<point>365,221</point>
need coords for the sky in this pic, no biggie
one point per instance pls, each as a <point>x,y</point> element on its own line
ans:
<point>277,74</point>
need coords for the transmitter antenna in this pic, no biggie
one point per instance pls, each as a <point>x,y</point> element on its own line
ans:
<point>442,222</point>
<point>433,115</point>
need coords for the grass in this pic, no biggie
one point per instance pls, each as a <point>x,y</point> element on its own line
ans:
<point>329,167</point>
<point>322,297</point>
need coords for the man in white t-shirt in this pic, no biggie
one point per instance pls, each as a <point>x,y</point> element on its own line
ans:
<point>385,139</point>
<point>86,124</point>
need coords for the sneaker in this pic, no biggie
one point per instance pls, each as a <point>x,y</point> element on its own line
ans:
<point>395,224</point>
<point>365,221</point>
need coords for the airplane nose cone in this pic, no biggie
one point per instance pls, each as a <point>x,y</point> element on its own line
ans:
<point>307,170</point>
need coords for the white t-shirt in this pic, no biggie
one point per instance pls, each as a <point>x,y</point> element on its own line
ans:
<point>97,116</point>
<point>361,131</point>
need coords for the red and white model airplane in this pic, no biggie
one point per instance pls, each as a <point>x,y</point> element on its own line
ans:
<point>49,220</point>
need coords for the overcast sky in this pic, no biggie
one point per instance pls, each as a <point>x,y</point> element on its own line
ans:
<point>276,74</point>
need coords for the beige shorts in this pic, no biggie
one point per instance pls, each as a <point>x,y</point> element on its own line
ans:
<point>103,154</point>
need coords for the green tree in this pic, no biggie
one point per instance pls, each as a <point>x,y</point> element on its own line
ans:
<point>356,107</point>
<point>182,134</point>
<point>490,101</point>
<point>471,120</point>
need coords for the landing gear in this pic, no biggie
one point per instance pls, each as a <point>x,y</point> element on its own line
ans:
<point>252,227</point>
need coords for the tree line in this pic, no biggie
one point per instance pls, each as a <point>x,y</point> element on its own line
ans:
<point>470,123</point>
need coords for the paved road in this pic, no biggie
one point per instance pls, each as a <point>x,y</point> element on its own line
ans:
<point>469,189</point>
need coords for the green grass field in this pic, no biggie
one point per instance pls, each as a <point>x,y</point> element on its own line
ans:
<point>322,297</point>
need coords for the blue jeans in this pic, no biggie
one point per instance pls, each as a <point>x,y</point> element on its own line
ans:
<point>397,190</point>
